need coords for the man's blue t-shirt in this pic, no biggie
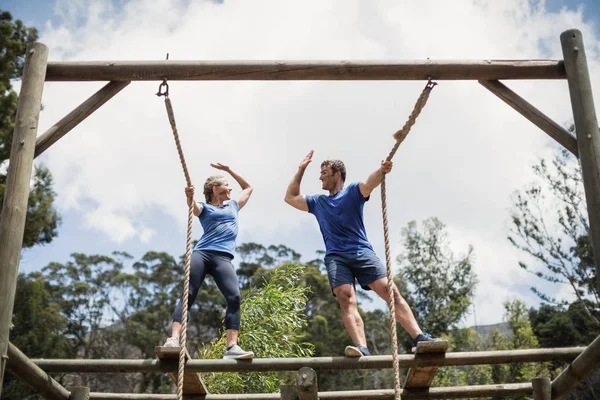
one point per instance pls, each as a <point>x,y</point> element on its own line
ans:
<point>220,225</point>
<point>340,219</point>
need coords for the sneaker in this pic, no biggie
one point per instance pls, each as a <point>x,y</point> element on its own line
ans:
<point>172,342</point>
<point>423,337</point>
<point>357,351</point>
<point>236,353</point>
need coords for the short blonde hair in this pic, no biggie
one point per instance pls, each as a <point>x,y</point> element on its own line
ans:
<point>210,183</point>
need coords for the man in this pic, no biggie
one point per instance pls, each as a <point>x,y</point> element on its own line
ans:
<point>349,256</point>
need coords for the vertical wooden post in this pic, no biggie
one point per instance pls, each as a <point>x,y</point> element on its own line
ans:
<point>81,393</point>
<point>586,126</point>
<point>306,382</point>
<point>288,392</point>
<point>542,388</point>
<point>14,209</point>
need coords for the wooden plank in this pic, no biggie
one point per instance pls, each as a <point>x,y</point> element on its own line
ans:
<point>542,388</point>
<point>539,119</point>
<point>304,70</point>
<point>422,376</point>
<point>79,393</point>
<point>74,118</point>
<point>451,392</point>
<point>33,376</point>
<point>566,354</point>
<point>192,382</point>
<point>586,128</point>
<point>577,371</point>
<point>14,208</point>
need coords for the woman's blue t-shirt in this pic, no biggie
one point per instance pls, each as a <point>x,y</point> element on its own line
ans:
<point>220,225</point>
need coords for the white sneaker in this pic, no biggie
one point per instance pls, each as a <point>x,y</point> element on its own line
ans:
<point>236,353</point>
<point>172,342</point>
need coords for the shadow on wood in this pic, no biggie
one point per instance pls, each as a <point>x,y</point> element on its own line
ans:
<point>421,376</point>
<point>192,383</point>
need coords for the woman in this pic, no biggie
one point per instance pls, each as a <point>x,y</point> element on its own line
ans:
<point>214,252</point>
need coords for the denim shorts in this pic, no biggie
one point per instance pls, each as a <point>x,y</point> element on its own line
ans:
<point>363,266</point>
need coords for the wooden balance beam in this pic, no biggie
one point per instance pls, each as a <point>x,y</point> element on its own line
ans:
<point>192,382</point>
<point>420,377</point>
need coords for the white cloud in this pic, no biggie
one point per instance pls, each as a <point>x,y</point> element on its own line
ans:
<point>464,157</point>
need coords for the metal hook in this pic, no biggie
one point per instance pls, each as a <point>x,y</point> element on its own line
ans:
<point>160,87</point>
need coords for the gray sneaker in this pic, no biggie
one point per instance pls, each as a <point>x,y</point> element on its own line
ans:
<point>236,353</point>
<point>172,342</point>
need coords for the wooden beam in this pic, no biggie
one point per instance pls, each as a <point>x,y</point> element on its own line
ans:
<point>586,128</point>
<point>29,373</point>
<point>539,119</point>
<point>306,382</point>
<point>72,119</point>
<point>14,208</point>
<point>316,363</point>
<point>288,392</point>
<point>542,388</point>
<point>578,370</point>
<point>304,70</point>
<point>456,392</point>
<point>192,382</point>
<point>422,376</point>
<point>80,393</point>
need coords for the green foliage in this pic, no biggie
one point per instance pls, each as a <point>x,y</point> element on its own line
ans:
<point>437,285</point>
<point>271,326</point>
<point>520,336</point>
<point>550,225</point>
<point>38,329</point>
<point>42,219</point>
<point>557,326</point>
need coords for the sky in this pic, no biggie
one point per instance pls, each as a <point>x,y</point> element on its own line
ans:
<point>118,178</point>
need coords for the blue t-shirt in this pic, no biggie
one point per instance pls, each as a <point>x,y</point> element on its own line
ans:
<point>340,219</point>
<point>220,225</point>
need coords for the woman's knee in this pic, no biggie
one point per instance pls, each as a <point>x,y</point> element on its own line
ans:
<point>234,301</point>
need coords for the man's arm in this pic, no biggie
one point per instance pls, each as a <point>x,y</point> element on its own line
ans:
<point>189,192</point>
<point>292,195</point>
<point>368,185</point>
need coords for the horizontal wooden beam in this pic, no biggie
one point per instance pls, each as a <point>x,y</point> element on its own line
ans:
<point>579,369</point>
<point>303,70</point>
<point>455,392</point>
<point>81,112</point>
<point>316,363</point>
<point>29,373</point>
<point>539,119</point>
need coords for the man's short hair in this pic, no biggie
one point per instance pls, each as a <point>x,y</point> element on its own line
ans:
<point>336,166</point>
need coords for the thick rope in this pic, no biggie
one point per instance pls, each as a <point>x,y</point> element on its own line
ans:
<point>188,248</point>
<point>399,136</point>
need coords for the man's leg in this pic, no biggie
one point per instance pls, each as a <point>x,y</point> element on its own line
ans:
<point>404,314</point>
<point>350,316</point>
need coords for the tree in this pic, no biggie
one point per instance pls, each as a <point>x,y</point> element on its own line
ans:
<point>38,330</point>
<point>272,326</point>
<point>42,219</point>
<point>550,225</point>
<point>437,284</point>
<point>557,326</point>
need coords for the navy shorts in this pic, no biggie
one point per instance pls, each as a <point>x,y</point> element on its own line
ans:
<point>363,266</point>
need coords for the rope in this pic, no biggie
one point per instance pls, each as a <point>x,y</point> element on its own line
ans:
<point>399,136</point>
<point>188,245</point>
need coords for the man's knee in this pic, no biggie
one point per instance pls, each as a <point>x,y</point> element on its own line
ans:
<point>346,296</point>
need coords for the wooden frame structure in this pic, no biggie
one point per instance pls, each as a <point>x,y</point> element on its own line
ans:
<point>26,146</point>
